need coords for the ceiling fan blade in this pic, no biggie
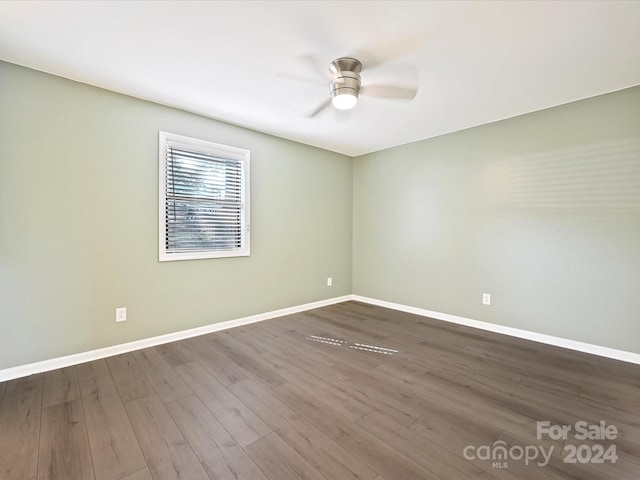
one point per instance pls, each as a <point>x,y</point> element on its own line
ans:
<point>315,65</point>
<point>391,48</point>
<point>320,108</point>
<point>390,92</point>
<point>294,77</point>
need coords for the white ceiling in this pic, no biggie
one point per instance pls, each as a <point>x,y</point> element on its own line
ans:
<point>476,62</point>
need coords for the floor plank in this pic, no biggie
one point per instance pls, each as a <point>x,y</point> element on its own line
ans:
<point>439,462</point>
<point>384,459</point>
<point>338,398</point>
<point>320,451</point>
<point>236,351</point>
<point>279,461</point>
<point>129,379</point>
<point>143,474</point>
<point>217,451</point>
<point>20,414</point>
<point>114,447</point>
<point>175,353</point>
<point>242,423</point>
<point>225,371</point>
<point>453,429</point>
<point>167,384</point>
<point>60,386</point>
<point>168,455</point>
<point>89,370</point>
<point>64,448</point>
<point>374,399</point>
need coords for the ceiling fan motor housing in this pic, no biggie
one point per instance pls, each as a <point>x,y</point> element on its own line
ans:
<point>346,80</point>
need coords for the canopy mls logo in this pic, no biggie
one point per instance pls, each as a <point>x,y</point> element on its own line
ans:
<point>499,453</point>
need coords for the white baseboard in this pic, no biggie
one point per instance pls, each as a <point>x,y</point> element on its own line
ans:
<point>607,352</point>
<point>77,358</point>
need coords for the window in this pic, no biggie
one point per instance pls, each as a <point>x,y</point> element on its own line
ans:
<point>204,199</point>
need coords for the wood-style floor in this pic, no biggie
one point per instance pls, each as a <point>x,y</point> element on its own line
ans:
<point>349,391</point>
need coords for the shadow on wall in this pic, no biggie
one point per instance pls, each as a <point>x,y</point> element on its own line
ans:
<point>599,183</point>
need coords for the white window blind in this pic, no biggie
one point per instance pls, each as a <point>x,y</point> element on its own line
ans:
<point>204,199</point>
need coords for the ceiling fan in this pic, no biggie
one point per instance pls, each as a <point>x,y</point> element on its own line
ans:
<point>346,85</point>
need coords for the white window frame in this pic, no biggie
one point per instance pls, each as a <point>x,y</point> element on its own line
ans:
<point>216,149</point>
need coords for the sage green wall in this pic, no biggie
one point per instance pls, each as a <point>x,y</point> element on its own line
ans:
<point>542,211</point>
<point>79,222</point>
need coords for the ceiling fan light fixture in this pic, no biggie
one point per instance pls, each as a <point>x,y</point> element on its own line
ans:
<point>345,85</point>
<point>344,100</point>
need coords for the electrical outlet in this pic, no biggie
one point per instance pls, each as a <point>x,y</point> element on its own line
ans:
<point>486,299</point>
<point>329,281</point>
<point>121,314</point>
